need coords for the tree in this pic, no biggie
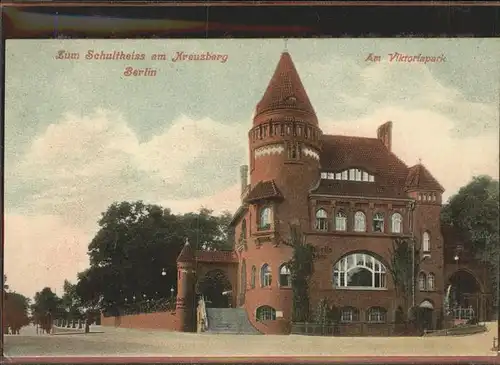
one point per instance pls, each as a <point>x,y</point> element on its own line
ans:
<point>135,243</point>
<point>301,268</point>
<point>16,311</point>
<point>71,302</point>
<point>404,268</point>
<point>46,307</point>
<point>474,213</point>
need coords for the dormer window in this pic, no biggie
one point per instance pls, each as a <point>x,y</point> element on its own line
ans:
<point>351,175</point>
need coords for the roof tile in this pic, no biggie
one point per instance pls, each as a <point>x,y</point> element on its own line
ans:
<point>264,190</point>
<point>286,91</point>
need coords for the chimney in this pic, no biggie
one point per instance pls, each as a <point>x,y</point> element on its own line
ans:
<point>384,134</point>
<point>244,178</point>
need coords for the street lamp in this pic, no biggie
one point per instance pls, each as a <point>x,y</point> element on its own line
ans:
<point>163,272</point>
<point>172,292</point>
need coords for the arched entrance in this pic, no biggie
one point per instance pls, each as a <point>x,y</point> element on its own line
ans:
<point>425,315</point>
<point>216,288</point>
<point>465,292</point>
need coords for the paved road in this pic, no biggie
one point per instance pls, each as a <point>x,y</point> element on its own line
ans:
<point>110,341</point>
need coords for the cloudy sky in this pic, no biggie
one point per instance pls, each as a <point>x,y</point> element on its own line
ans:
<point>79,135</point>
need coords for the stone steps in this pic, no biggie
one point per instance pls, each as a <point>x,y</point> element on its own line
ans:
<point>229,321</point>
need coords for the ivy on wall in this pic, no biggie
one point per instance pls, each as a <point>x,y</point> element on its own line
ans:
<point>301,268</point>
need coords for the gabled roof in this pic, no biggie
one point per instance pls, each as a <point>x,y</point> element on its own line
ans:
<point>420,178</point>
<point>264,190</point>
<point>187,254</point>
<point>369,154</point>
<point>286,91</point>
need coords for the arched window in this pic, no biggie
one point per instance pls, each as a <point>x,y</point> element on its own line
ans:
<point>422,280</point>
<point>321,220</point>
<point>397,223</point>
<point>266,313</point>
<point>377,315</point>
<point>285,276</point>
<point>253,274</point>
<point>243,283</point>
<point>265,218</point>
<point>341,221</point>
<point>360,222</point>
<point>349,314</point>
<point>265,275</point>
<point>244,229</point>
<point>378,222</point>
<point>431,282</point>
<point>426,242</point>
<point>359,270</point>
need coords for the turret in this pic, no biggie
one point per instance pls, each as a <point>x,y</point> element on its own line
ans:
<point>285,142</point>
<point>186,296</point>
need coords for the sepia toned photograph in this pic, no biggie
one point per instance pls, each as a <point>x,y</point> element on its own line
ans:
<point>251,197</point>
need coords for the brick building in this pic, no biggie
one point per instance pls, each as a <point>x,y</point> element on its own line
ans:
<point>351,196</point>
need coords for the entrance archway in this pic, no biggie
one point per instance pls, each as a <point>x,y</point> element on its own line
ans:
<point>465,292</point>
<point>425,315</point>
<point>216,288</point>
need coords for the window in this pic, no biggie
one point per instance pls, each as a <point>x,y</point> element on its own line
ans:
<point>266,313</point>
<point>351,174</point>
<point>321,220</point>
<point>371,178</point>
<point>360,222</point>
<point>359,270</point>
<point>244,228</point>
<point>419,197</point>
<point>422,280</point>
<point>338,176</point>
<point>345,175</point>
<point>265,276</point>
<point>253,274</point>
<point>365,176</point>
<point>292,151</point>
<point>397,220</point>
<point>377,315</point>
<point>378,222</point>
<point>341,221</point>
<point>324,175</point>
<point>426,242</point>
<point>357,175</point>
<point>349,314</point>
<point>285,276</point>
<point>265,218</point>
<point>330,176</point>
<point>431,282</point>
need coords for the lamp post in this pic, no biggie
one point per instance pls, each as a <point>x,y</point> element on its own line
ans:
<point>172,292</point>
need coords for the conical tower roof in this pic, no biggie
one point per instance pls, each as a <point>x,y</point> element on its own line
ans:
<point>187,254</point>
<point>286,92</point>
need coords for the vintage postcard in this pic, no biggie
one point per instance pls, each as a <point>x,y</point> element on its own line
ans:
<point>303,197</point>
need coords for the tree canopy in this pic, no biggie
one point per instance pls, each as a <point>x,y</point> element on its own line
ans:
<point>133,255</point>
<point>474,213</point>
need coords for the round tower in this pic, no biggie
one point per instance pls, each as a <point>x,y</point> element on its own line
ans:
<point>186,296</point>
<point>285,140</point>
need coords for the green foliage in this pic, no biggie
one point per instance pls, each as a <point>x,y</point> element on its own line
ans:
<point>326,314</point>
<point>136,242</point>
<point>301,268</point>
<point>47,302</point>
<point>474,213</point>
<point>16,308</point>
<point>404,267</point>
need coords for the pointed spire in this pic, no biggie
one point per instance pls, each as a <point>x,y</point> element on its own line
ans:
<point>286,93</point>
<point>420,178</point>
<point>187,254</point>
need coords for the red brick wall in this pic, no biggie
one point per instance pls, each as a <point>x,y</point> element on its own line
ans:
<point>157,320</point>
